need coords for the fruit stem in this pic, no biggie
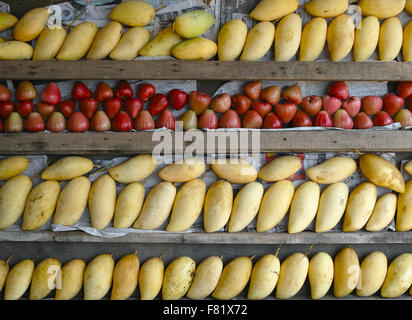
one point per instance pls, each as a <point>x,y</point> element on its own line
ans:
<point>157,9</point>
<point>8,260</point>
<point>277,251</point>
<point>358,152</point>
<point>135,252</point>
<point>310,248</point>
<point>221,257</point>
<point>252,257</point>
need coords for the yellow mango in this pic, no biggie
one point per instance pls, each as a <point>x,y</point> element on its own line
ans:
<point>332,170</point>
<point>258,41</point>
<point>49,43</point>
<point>264,277</point>
<point>7,21</point>
<point>102,202</point>
<point>340,37</point>
<point>162,44</point>
<point>177,278</point>
<point>12,166</point>
<point>390,39</point>
<point>195,49</point>
<point>372,274</point>
<point>128,205</point>
<point>381,9</point>
<point>237,171</point>
<point>366,38</point>
<point>105,41</point>
<point>399,277</point>
<point>193,24</point>
<point>31,24</point>
<point>133,13</point>
<point>383,213</point>
<point>206,278</point>
<point>346,272</point>
<point>287,37</point>
<point>151,278</point>
<point>280,168</point>
<point>15,50</point>
<point>269,10</point>
<point>72,280</point>
<point>292,275</point>
<point>326,8</point>
<point>125,277</point>
<point>404,212</point>
<point>135,169</point>
<point>320,274</point>
<point>231,40</point>
<point>313,39</point>
<point>67,168</point>
<point>98,277</point>
<point>183,170</point>
<point>18,280</point>
<point>44,278</point>
<point>407,43</point>
<point>129,45</point>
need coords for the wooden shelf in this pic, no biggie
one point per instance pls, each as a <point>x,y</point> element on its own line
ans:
<point>205,70</point>
<point>141,142</point>
<point>216,238</point>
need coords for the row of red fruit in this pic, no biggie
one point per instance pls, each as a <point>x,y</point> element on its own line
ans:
<point>256,107</point>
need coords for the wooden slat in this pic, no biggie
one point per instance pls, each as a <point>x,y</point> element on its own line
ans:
<point>205,70</point>
<point>219,237</point>
<point>142,142</point>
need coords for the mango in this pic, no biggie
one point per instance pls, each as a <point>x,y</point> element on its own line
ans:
<point>15,50</point>
<point>7,21</point>
<point>399,277</point>
<point>134,169</point>
<point>292,275</point>
<point>326,8</point>
<point>258,41</point>
<point>206,278</point>
<point>264,277</point>
<point>151,278</point>
<point>287,37</point>
<point>193,24</point>
<point>67,168</point>
<point>78,41</point>
<point>231,40</point>
<point>234,278</point>
<point>407,43</point>
<point>31,24</point>
<point>128,205</point>
<point>383,213</point>
<point>156,207</point>
<point>98,277</point>
<point>44,278</point>
<point>381,172</point>
<point>236,171</point>
<point>72,280</point>
<point>4,271</point>
<point>102,202</point>
<point>105,41</point>
<point>313,39</point>
<point>404,212</point>
<point>320,274</point>
<point>12,166</point>
<point>195,49</point>
<point>187,205</point>
<point>269,10</point>
<point>183,170</point>
<point>372,274</point>
<point>133,13</point>
<point>408,6</point>
<point>390,39</point>
<point>18,280</point>
<point>245,206</point>
<point>13,196</point>
<point>129,45</point>
<point>280,168</point>
<point>359,208</point>
<point>381,9</point>
<point>49,43</point>
<point>217,206</point>
<point>162,44</point>
<point>346,272</point>
<point>125,277</point>
<point>332,170</point>
<point>340,37</point>
<point>40,205</point>
<point>178,278</point>
<point>366,38</point>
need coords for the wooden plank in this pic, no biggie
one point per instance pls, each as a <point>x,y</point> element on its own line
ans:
<point>142,142</point>
<point>205,70</point>
<point>219,237</point>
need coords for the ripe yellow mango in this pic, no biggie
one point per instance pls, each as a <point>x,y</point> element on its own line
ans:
<point>206,278</point>
<point>320,274</point>
<point>313,39</point>
<point>258,41</point>
<point>280,168</point>
<point>7,21</point>
<point>78,41</point>
<point>44,278</point>
<point>72,280</point>
<point>346,272</point>
<point>399,277</point>
<point>178,278</point>
<point>151,278</point>
<point>4,271</point>
<point>332,205</point>
<point>287,37</point>
<point>359,208</point>
<point>98,277</point>
<point>372,274</point>
<point>105,41</point>
<point>245,206</point>
<point>195,49</point>
<point>156,207</point>
<point>383,213</point>
<point>183,170</point>
<point>187,205</point>
<point>292,275</point>
<point>231,40</point>
<point>12,166</point>
<point>381,172</point>
<point>234,278</point>
<point>390,39</point>
<point>15,50</point>
<point>67,168</point>
<point>135,169</point>
<point>408,6</point>
<point>128,205</point>
<point>366,38</point>
<point>13,196</point>
<point>340,37</point>
<point>269,10</point>
<point>332,170</point>
<point>381,9</point>
<point>326,8</point>
<point>162,44</point>
<point>40,205</point>
<point>218,206</point>
<point>264,277</point>
<point>407,43</point>
<point>274,205</point>
<point>72,202</point>
<point>237,171</point>
<point>193,24</point>
<point>18,280</point>
<point>31,24</point>
<point>133,13</point>
<point>303,207</point>
<point>130,44</point>
<point>49,43</point>
<point>102,202</point>
<point>404,212</point>
<point>125,277</point>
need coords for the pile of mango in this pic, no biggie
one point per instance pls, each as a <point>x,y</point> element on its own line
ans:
<point>181,207</point>
<point>183,40</point>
